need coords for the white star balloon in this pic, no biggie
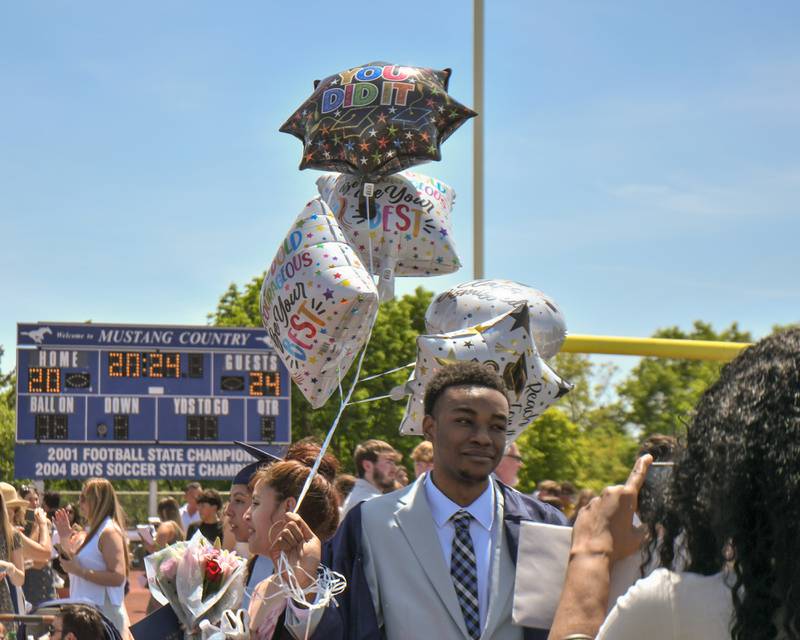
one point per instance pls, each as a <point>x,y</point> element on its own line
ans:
<point>473,302</point>
<point>502,343</point>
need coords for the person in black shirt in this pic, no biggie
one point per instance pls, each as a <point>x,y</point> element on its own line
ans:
<point>209,504</point>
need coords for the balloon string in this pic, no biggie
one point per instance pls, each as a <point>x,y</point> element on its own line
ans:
<point>373,399</point>
<point>368,191</point>
<point>386,373</point>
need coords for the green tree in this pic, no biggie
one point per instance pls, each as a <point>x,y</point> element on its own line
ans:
<point>7,422</point>
<point>583,437</point>
<point>7,437</point>
<point>552,448</point>
<point>659,394</point>
<point>393,344</point>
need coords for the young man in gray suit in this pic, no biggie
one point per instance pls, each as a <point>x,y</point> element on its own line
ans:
<point>437,559</point>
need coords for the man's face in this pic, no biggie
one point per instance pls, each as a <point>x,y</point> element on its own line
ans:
<point>383,472</point>
<point>468,432</point>
<point>191,497</point>
<point>238,504</point>
<point>208,512</point>
<point>509,466</point>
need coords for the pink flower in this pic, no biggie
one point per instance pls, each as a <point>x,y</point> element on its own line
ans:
<point>229,562</point>
<point>169,568</point>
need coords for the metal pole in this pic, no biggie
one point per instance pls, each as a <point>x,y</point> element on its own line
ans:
<point>477,141</point>
<point>152,502</point>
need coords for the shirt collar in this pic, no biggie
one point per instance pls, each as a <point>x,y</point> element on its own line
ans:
<point>443,508</point>
<point>367,487</point>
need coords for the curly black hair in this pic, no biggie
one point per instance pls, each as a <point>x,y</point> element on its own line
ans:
<point>461,374</point>
<point>734,499</point>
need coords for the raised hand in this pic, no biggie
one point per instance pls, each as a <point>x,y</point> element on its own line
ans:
<point>605,525</point>
<point>303,549</point>
<point>41,517</point>
<point>63,526</point>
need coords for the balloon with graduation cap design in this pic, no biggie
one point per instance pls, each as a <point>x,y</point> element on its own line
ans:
<point>318,302</point>
<point>406,224</point>
<point>376,119</point>
<point>503,343</point>
<point>476,301</point>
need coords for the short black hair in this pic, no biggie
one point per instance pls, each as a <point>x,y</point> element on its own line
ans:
<point>210,496</point>
<point>84,621</point>
<point>51,500</point>
<point>471,374</point>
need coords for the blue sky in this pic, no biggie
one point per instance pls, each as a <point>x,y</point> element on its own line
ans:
<point>642,160</point>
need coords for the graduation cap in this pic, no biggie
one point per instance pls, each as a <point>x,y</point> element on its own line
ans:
<point>262,457</point>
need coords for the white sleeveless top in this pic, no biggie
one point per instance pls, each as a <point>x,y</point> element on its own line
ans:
<point>90,558</point>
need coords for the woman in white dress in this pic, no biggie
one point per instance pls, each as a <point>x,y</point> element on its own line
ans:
<point>98,568</point>
<point>733,504</point>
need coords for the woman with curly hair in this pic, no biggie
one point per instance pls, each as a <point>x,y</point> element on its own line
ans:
<point>733,507</point>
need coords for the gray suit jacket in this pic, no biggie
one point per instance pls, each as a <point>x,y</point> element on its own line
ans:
<point>409,580</point>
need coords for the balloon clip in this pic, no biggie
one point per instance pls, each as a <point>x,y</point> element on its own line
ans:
<point>369,189</point>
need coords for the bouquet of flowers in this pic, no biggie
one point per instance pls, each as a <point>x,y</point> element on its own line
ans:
<point>197,579</point>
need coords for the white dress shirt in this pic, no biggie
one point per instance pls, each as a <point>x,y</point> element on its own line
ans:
<point>362,490</point>
<point>187,518</point>
<point>482,529</point>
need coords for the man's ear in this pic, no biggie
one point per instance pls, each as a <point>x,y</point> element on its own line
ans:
<point>291,503</point>
<point>429,428</point>
<point>368,466</point>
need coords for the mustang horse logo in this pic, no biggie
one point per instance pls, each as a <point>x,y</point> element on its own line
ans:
<point>38,335</point>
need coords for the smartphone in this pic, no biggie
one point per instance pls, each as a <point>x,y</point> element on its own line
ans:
<point>654,490</point>
<point>30,515</point>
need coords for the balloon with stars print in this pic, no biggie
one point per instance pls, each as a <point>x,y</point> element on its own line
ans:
<point>376,119</point>
<point>406,223</point>
<point>502,343</point>
<point>476,301</point>
<point>318,302</point>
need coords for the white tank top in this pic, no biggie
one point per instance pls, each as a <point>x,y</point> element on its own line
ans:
<point>90,558</point>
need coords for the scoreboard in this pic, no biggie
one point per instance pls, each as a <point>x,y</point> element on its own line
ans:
<point>146,401</point>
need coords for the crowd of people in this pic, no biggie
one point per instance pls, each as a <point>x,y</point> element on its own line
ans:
<point>436,557</point>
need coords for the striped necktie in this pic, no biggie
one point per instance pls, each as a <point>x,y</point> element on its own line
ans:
<point>464,572</point>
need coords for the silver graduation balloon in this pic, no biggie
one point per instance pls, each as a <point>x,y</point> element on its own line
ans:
<point>470,303</point>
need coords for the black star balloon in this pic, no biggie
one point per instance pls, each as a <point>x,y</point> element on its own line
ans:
<point>376,119</point>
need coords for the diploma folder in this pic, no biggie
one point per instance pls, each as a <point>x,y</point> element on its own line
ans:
<point>541,569</point>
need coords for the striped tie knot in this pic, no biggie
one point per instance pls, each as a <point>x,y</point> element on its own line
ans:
<point>461,519</point>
